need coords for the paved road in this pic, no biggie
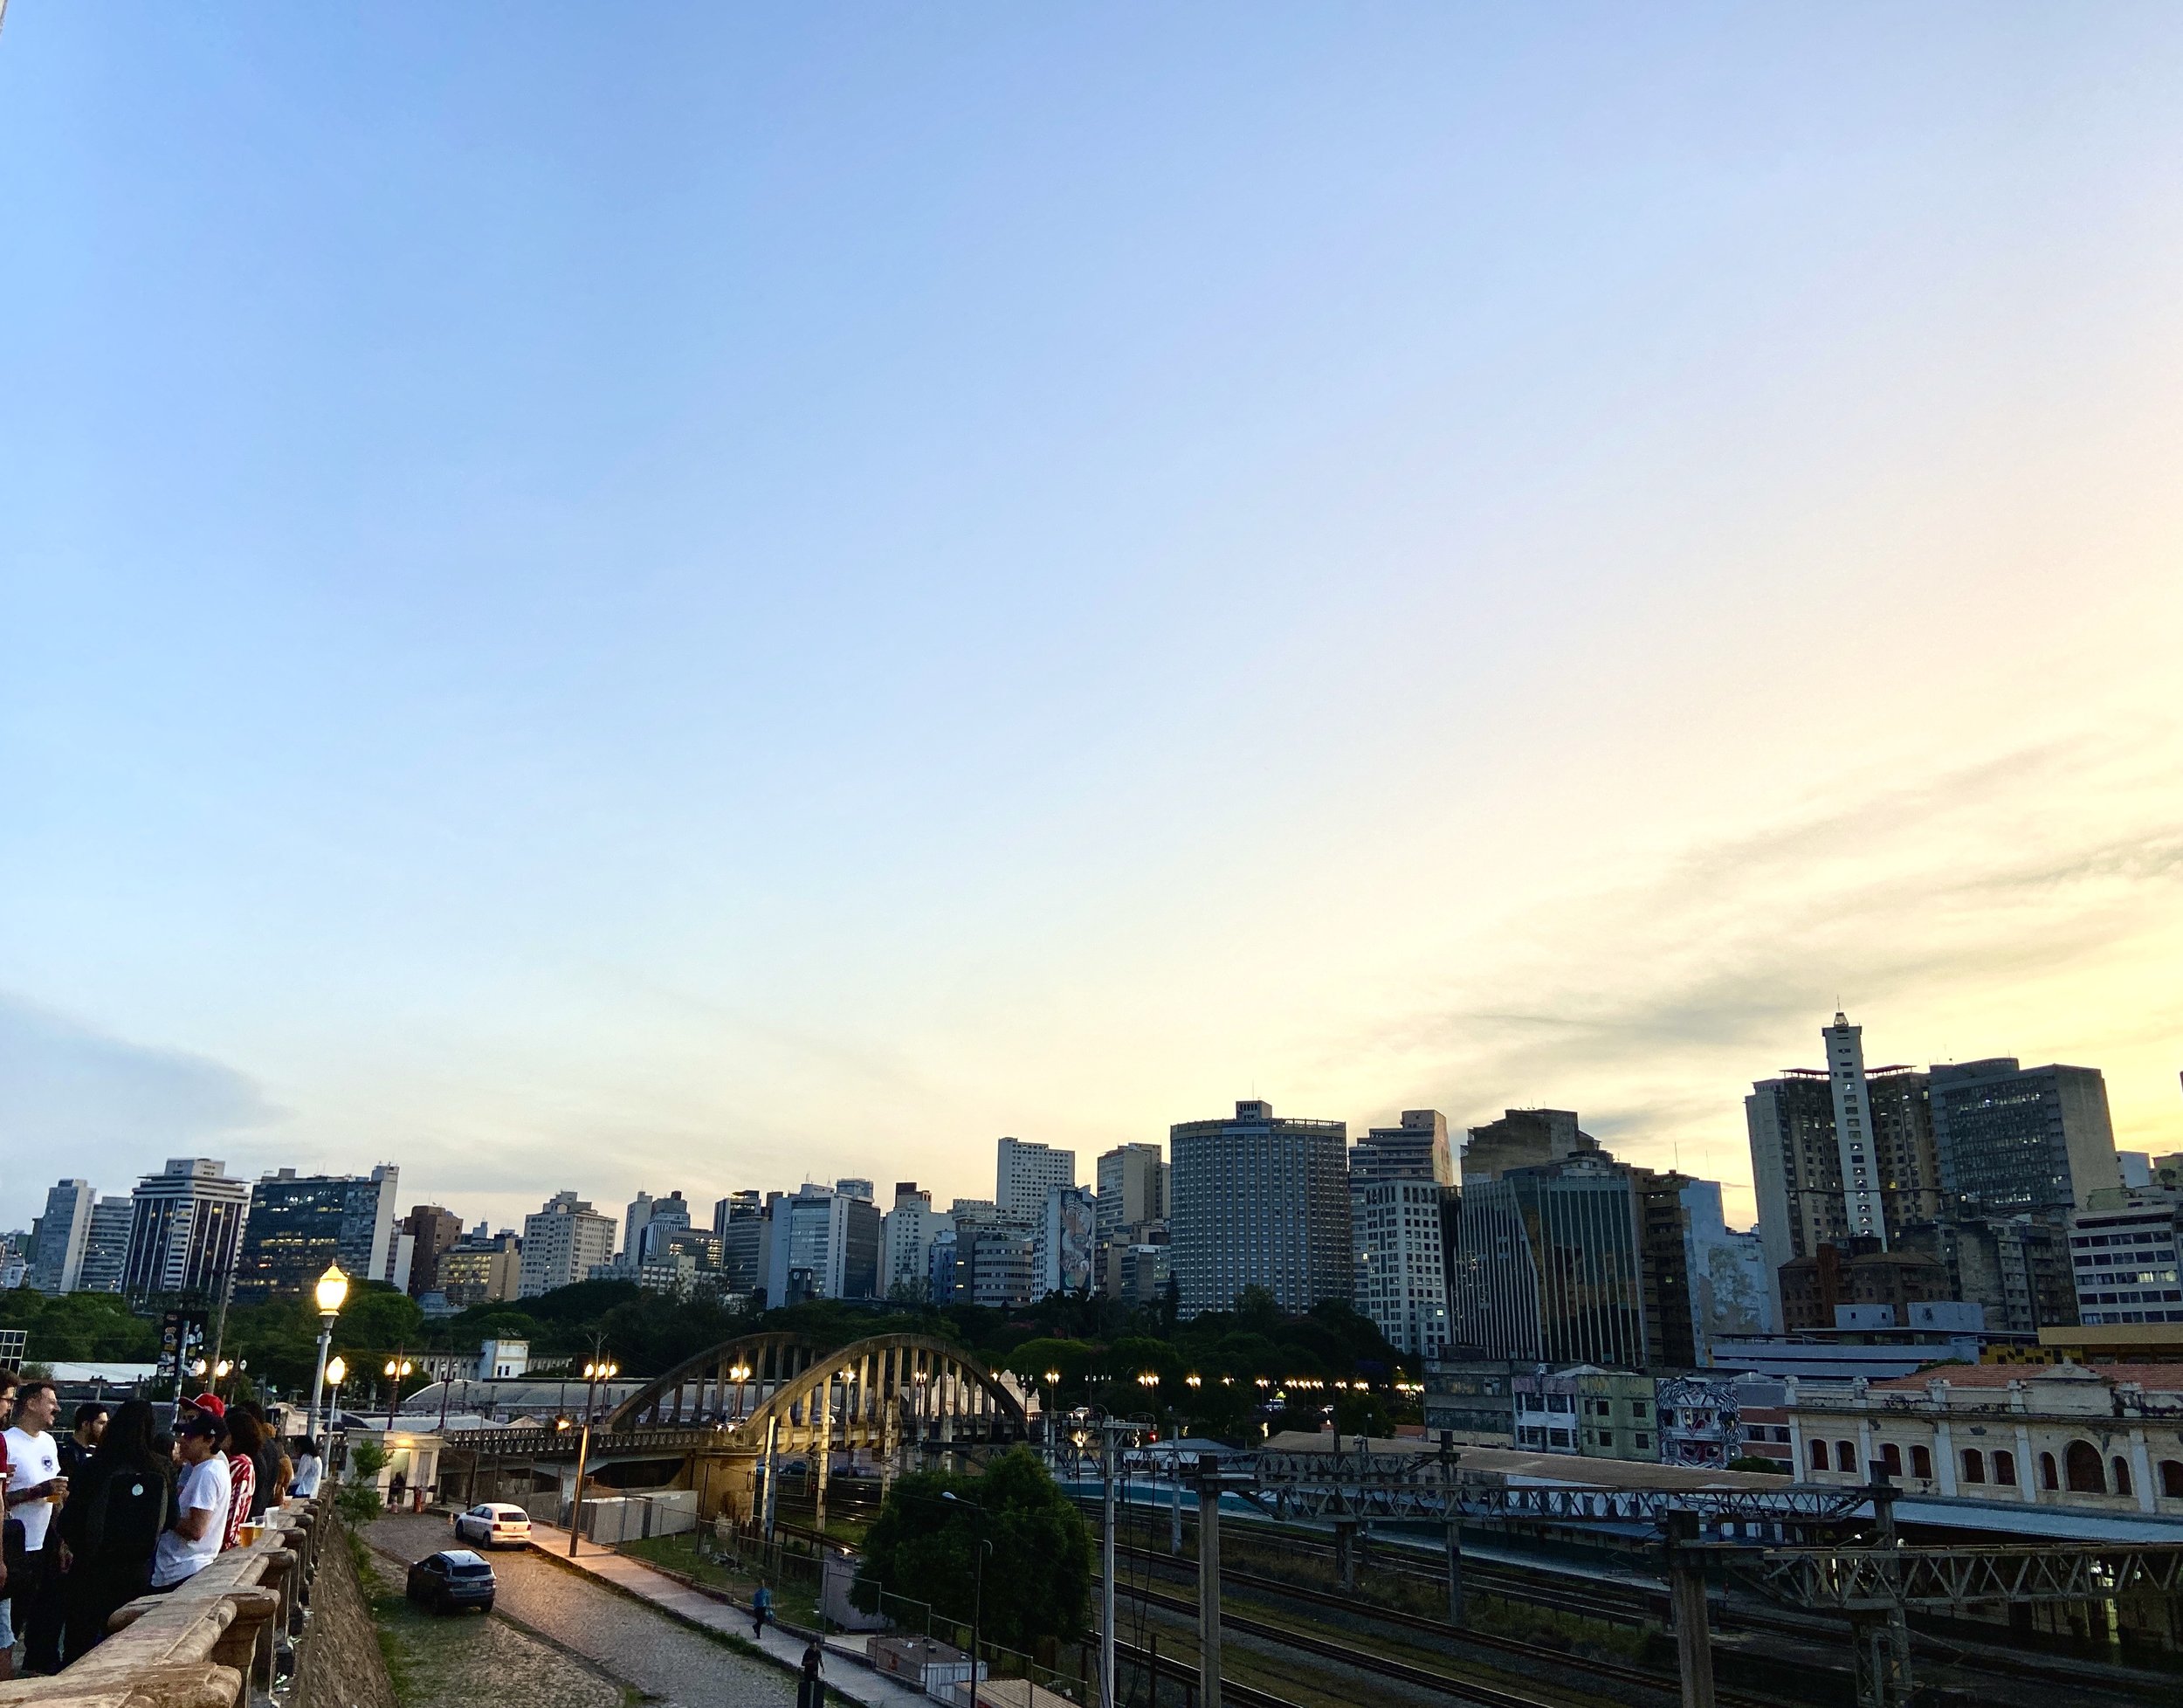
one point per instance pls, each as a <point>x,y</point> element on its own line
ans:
<point>624,1639</point>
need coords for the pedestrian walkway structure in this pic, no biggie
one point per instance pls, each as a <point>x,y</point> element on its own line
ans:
<point>756,1402</point>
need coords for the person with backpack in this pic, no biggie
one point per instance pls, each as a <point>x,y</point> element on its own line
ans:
<point>111,1526</point>
<point>761,1609</point>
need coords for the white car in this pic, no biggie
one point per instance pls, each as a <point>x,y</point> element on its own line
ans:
<point>491,1525</point>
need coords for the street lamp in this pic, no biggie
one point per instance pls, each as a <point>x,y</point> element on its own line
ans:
<point>597,1370</point>
<point>332,1292</point>
<point>398,1367</point>
<point>336,1372</point>
<point>977,1592</point>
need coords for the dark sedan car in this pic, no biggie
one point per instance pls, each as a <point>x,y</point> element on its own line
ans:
<point>451,1580</point>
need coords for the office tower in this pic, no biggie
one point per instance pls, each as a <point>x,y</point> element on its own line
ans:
<point>63,1231</point>
<point>1061,1255</point>
<point>2124,1257</point>
<point>2135,1167</point>
<point>2012,1138</point>
<point>825,1245</point>
<point>907,1235</point>
<point>744,1227</point>
<point>2016,1268</point>
<point>946,1267</point>
<point>300,1224</point>
<point>1549,1265</point>
<point>669,1215</point>
<point>635,1220</point>
<point>561,1241</point>
<point>1523,1139</point>
<point>482,1268</point>
<point>105,1252</point>
<point>1401,1277</point>
<point>1001,1269</point>
<point>433,1230</point>
<point>1417,1150</point>
<point>856,1188</point>
<point>1132,1191</point>
<point>184,1225</point>
<point>1840,1151</point>
<point>974,1213</point>
<point>1259,1202</point>
<point>1026,1173</point>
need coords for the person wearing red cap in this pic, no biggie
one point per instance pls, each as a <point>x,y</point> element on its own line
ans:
<point>208,1405</point>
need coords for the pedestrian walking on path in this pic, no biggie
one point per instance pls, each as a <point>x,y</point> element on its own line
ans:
<point>761,1609</point>
<point>810,1689</point>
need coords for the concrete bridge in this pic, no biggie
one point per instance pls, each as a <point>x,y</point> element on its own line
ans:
<point>721,1421</point>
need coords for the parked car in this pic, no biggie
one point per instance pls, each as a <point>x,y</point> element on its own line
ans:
<point>452,1580</point>
<point>492,1523</point>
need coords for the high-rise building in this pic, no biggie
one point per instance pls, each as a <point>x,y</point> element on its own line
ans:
<point>561,1241</point>
<point>1857,1271</point>
<point>2124,1257</point>
<point>669,1215</point>
<point>857,1188</point>
<point>1259,1202</point>
<point>2012,1138</point>
<point>300,1224</point>
<point>1731,1288</point>
<point>907,1235</point>
<point>635,1220</point>
<point>1840,1152</point>
<point>1062,1250</point>
<point>1132,1190</point>
<point>745,1226</point>
<point>1523,1139</point>
<point>105,1252</point>
<point>825,1245</point>
<point>482,1268</point>
<point>185,1224</point>
<point>63,1231</point>
<point>1549,1265</point>
<point>1417,1150</point>
<point>433,1230</point>
<point>1001,1269</point>
<point>2016,1268</point>
<point>1026,1172</point>
<point>1401,1276</point>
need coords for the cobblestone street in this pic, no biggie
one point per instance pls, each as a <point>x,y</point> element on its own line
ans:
<point>630,1642</point>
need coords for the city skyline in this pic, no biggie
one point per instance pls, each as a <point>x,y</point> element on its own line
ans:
<point>698,602</point>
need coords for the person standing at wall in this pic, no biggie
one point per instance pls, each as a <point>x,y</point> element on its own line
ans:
<point>117,1509</point>
<point>191,1541</point>
<point>10,1534</point>
<point>36,1490</point>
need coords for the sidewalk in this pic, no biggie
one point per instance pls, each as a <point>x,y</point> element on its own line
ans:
<point>848,1674</point>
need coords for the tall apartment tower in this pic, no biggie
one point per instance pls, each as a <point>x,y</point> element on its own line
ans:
<point>907,1235</point>
<point>1550,1264</point>
<point>1026,1172</point>
<point>105,1252</point>
<point>184,1225</point>
<point>1132,1190</point>
<point>63,1231</point>
<point>1856,1160</point>
<point>1259,1202</point>
<point>433,1229</point>
<point>300,1224</point>
<point>825,1245</point>
<point>561,1241</point>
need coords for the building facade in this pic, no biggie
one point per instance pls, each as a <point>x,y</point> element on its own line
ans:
<point>1002,1276</point>
<point>1259,1201</point>
<point>1062,1248</point>
<point>561,1241</point>
<point>2123,1259</point>
<point>1401,1281</point>
<point>433,1229</point>
<point>1024,1173</point>
<point>825,1245</point>
<point>480,1268</point>
<point>2011,1140</point>
<point>744,1222</point>
<point>185,1226</point>
<point>105,1253</point>
<point>1416,1150</point>
<point>1523,1138</point>
<point>300,1224</point>
<point>1550,1268</point>
<point>63,1232</point>
<point>1132,1190</point>
<point>906,1238</point>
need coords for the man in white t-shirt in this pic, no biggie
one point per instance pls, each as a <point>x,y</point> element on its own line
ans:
<point>192,1541</point>
<point>35,1489</point>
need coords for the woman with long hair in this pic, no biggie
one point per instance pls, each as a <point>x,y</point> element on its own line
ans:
<point>112,1523</point>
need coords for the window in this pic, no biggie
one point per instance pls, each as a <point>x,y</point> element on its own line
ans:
<point>2004,1467</point>
<point>1973,1465</point>
<point>2171,1479</point>
<point>1643,1442</point>
<point>1819,1455</point>
<point>1921,1462</point>
<point>2046,1477</point>
<point>2122,1474</point>
<point>1846,1455</point>
<point>1890,1458</point>
<point>1637,1408</point>
<point>2080,1465</point>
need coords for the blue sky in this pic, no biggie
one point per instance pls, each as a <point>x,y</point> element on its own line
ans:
<point>687,596</point>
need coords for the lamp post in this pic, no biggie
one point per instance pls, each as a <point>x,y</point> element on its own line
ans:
<point>331,1292</point>
<point>977,1589</point>
<point>398,1367</point>
<point>597,1370</point>
<point>336,1373</point>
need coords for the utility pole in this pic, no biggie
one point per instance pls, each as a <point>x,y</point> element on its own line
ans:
<point>1686,1602</point>
<point>1208,1581</point>
<point>1454,1512</point>
<point>825,1452</point>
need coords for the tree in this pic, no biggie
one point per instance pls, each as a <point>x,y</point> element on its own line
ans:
<point>1038,1579</point>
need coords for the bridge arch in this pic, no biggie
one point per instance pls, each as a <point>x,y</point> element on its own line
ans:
<point>704,1388</point>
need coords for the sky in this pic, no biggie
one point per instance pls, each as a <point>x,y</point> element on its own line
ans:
<point>696,597</point>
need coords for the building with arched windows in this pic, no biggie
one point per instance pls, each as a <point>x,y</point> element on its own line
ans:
<point>2108,1438</point>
